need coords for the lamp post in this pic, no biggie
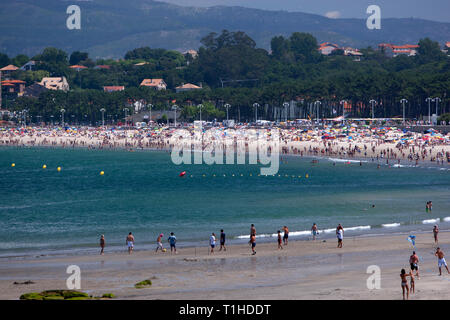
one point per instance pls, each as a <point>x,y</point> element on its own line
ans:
<point>24,114</point>
<point>318,103</point>
<point>102,110</point>
<point>343,102</point>
<point>403,101</point>
<point>200,107</point>
<point>62,116</point>
<point>227,106</point>
<point>373,102</point>
<point>150,106</point>
<point>51,117</point>
<point>285,105</point>
<point>256,105</point>
<point>429,100</point>
<point>175,108</point>
<point>125,110</point>
<point>437,100</point>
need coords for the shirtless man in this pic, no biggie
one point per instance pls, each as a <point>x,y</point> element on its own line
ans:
<point>286,235</point>
<point>414,262</point>
<point>253,243</point>
<point>130,243</point>
<point>441,260</point>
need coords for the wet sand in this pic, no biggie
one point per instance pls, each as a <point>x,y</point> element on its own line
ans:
<point>302,270</point>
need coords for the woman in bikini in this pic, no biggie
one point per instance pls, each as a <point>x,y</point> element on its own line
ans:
<point>405,286</point>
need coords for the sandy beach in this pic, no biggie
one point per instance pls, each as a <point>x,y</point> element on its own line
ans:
<point>388,145</point>
<point>302,270</point>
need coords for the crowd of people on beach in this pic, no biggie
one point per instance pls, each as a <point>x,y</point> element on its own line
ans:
<point>354,142</point>
<point>407,287</point>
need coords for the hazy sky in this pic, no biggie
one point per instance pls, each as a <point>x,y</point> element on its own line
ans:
<point>437,10</point>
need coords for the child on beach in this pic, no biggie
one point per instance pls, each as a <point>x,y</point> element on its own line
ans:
<point>314,231</point>
<point>102,243</point>
<point>159,242</point>
<point>172,241</point>
<point>280,246</point>
<point>405,287</point>
<point>412,289</point>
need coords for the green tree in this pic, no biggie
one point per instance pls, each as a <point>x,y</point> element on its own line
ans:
<point>4,60</point>
<point>429,50</point>
<point>77,57</point>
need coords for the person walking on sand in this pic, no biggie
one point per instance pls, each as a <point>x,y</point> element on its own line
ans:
<point>441,260</point>
<point>253,243</point>
<point>412,288</point>
<point>222,241</point>
<point>159,244</point>
<point>212,242</point>
<point>340,235</point>
<point>172,241</point>
<point>102,243</point>
<point>130,242</point>
<point>280,245</point>
<point>286,235</point>
<point>405,286</point>
<point>435,233</point>
<point>314,231</point>
<point>414,262</point>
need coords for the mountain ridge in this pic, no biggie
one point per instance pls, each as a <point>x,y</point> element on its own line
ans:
<point>109,28</point>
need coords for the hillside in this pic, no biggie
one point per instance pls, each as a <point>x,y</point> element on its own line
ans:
<point>109,28</point>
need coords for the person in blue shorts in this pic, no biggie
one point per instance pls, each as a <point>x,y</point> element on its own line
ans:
<point>172,241</point>
<point>212,242</point>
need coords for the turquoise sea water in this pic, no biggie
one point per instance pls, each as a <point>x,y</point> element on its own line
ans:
<point>43,211</point>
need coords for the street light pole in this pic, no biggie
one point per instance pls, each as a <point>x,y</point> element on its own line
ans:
<point>200,107</point>
<point>343,109</point>
<point>429,99</point>
<point>24,112</point>
<point>256,105</point>
<point>150,106</point>
<point>372,102</point>
<point>227,106</point>
<point>175,107</point>
<point>285,105</point>
<point>62,116</point>
<point>102,110</point>
<point>437,100</point>
<point>318,103</point>
<point>125,110</point>
<point>403,101</point>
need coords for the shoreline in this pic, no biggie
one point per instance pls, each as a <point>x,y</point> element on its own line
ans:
<point>302,270</point>
<point>385,228</point>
